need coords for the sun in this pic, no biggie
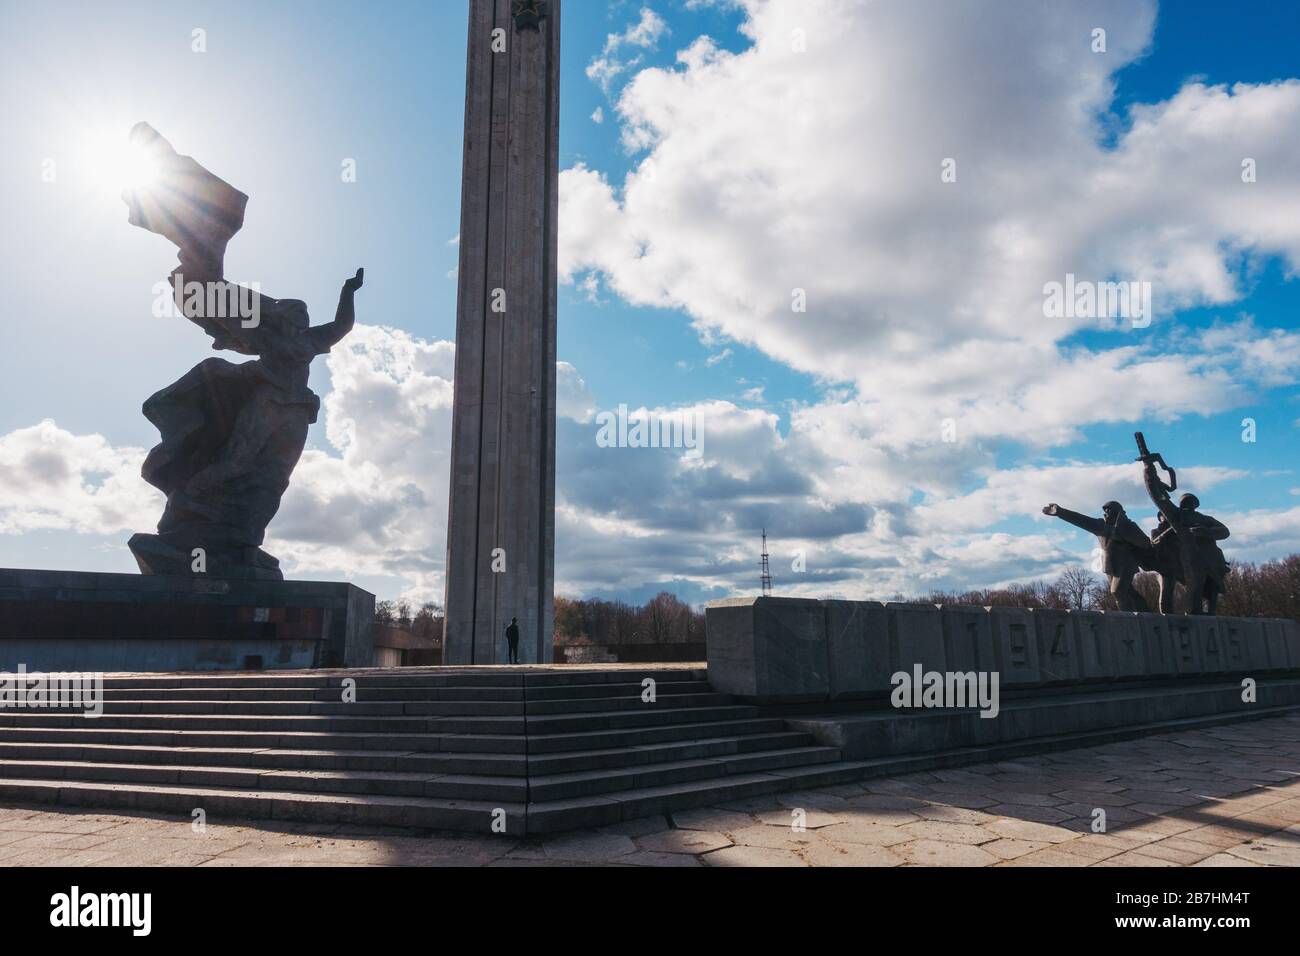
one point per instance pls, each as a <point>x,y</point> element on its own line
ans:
<point>135,167</point>
<point>117,165</point>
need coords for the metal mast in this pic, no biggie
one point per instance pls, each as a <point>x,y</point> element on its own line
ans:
<point>766,578</point>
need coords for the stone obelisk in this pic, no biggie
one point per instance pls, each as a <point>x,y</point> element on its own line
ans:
<point>501,525</point>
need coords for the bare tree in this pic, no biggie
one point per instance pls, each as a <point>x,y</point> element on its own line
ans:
<point>1077,585</point>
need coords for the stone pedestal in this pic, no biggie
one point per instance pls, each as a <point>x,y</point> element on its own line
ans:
<point>794,650</point>
<point>83,621</point>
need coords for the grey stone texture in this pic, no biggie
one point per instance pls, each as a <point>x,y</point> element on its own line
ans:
<point>789,650</point>
<point>915,633</point>
<point>78,620</point>
<point>968,638</point>
<point>1015,646</point>
<point>771,649</point>
<point>501,523</point>
<point>1023,723</point>
<point>857,655</point>
<point>1218,796</point>
<point>1058,656</point>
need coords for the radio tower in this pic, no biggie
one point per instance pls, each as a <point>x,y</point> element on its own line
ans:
<point>766,577</point>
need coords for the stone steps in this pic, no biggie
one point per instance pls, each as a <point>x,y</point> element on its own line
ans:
<point>487,764</point>
<point>580,740</point>
<point>397,692</point>
<point>573,692</point>
<point>553,815</point>
<point>452,743</point>
<point>563,786</point>
<point>418,748</point>
<point>135,704</point>
<point>414,677</point>
<point>618,757</point>
<point>385,782</point>
<point>353,718</point>
<point>234,803</point>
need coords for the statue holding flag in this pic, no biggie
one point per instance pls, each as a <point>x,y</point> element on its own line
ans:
<point>231,433</point>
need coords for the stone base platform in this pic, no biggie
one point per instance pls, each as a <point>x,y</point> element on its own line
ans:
<point>773,650</point>
<point>1050,679</point>
<point>83,621</point>
<point>1045,721</point>
<point>511,751</point>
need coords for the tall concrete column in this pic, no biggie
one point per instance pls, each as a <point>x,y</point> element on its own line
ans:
<point>501,526</point>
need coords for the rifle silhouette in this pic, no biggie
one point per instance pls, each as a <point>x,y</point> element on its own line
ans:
<point>1145,456</point>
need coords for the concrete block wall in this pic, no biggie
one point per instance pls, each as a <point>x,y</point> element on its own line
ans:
<point>795,650</point>
<point>69,620</point>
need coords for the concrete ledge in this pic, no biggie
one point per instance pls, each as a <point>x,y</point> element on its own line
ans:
<point>60,620</point>
<point>893,732</point>
<point>772,650</point>
<point>769,648</point>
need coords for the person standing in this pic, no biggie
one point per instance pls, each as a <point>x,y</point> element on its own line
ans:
<point>512,637</point>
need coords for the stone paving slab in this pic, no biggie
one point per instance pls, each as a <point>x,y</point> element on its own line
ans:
<point>1219,796</point>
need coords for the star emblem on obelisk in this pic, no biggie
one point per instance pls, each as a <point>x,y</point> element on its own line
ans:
<point>528,14</point>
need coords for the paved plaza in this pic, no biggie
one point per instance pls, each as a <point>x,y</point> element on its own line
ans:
<point>1223,796</point>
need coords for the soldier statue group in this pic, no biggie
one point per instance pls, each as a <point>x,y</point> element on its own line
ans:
<point>1182,548</point>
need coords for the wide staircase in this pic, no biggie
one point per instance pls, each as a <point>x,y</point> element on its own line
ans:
<point>517,750</point>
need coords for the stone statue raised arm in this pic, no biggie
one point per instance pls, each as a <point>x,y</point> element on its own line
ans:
<point>231,433</point>
<point>1193,537</point>
<point>1122,544</point>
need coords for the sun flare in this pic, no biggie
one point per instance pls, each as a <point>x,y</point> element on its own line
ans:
<point>118,165</point>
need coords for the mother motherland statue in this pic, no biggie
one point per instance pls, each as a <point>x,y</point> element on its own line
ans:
<point>231,433</point>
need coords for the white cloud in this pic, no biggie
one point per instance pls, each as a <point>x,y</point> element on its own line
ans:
<point>718,358</point>
<point>572,397</point>
<point>383,483</point>
<point>644,34</point>
<point>51,479</point>
<point>1260,535</point>
<point>762,176</point>
<point>1080,486</point>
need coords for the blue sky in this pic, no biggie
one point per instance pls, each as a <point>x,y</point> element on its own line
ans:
<point>723,173</point>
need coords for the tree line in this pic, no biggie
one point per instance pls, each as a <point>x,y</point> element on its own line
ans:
<point>426,621</point>
<point>664,619</point>
<point>1270,589</point>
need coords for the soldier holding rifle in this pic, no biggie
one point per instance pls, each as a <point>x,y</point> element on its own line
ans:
<point>1195,535</point>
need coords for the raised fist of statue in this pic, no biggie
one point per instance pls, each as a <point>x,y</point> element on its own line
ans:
<point>356,282</point>
<point>1050,509</point>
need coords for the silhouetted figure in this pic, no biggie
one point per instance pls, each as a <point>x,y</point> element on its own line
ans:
<point>1166,561</point>
<point>232,433</point>
<point>512,636</point>
<point>1204,567</point>
<point>1122,542</point>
